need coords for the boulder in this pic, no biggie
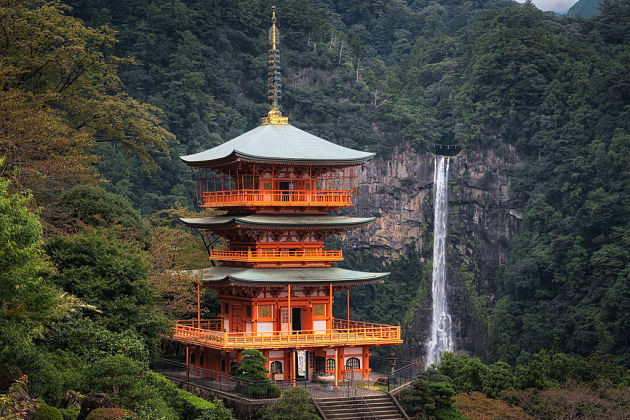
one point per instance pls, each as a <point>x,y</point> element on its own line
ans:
<point>92,401</point>
<point>72,399</point>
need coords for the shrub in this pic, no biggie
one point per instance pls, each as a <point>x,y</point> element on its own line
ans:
<point>191,407</point>
<point>47,412</point>
<point>69,413</point>
<point>295,404</point>
<point>430,396</point>
<point>111,414</point>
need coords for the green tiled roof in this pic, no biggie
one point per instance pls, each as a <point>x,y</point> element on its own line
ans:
<point>257,220</point>
<point>283,276</point>
<point>279,143</point>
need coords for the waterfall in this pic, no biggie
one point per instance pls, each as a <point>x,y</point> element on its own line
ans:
<point>441,339</point>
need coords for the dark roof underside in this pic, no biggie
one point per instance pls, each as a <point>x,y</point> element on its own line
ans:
<point>283,276</point>
<point>277,222</point>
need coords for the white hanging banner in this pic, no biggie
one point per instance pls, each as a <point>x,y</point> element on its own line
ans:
<point>301,362</point>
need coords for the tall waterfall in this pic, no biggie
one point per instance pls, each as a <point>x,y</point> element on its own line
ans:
<point>441,339</point>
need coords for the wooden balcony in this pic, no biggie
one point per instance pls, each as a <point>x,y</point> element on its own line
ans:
<point>277,198</point>
<point>359,333</point>
<point>277,255</point>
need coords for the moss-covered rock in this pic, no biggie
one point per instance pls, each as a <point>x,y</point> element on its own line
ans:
<point>111,413</point>
<point>46,412</point>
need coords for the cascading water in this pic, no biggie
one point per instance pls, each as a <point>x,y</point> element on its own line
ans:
<point>441,339</point>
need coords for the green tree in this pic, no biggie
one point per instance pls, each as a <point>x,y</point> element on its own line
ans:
<point>430,397</point>
<point>252,367</point>
<point>27,302</point>
<point>295,404</point>
<point>111,275</point>
<point>69,67</point>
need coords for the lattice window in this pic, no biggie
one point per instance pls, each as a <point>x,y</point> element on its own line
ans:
<point>284,316</point>
<point>264,311</point>
<point>353,363</point>
<point>275,367</point>
<point>330,364</point>
<point>319,309</point>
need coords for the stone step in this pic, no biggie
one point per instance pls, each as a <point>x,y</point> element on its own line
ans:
<point>368,407</point>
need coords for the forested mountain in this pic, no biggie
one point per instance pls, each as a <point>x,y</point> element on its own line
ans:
<point>100,97</point>
<point>379,74</point>
<point>584,8</point>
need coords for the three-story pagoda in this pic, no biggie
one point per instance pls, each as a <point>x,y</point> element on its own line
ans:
<point>276,281</point>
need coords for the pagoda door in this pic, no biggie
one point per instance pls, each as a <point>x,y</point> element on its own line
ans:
<point>236,319</point>
<point>284,320</point>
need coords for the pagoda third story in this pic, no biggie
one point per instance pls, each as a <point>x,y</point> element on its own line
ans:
<point>276,281</point>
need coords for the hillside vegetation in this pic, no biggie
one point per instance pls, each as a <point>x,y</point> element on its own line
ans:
<point>99,98</point>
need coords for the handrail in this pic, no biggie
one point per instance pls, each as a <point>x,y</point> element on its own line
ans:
<point>261,255</point>
<point>186,331</point>
<point>365,404</point>
<point>339,323</point>
<point>278,197</point>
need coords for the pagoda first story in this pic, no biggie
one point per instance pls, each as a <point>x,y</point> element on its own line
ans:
<point>286,322</point>
<point>277,297</point>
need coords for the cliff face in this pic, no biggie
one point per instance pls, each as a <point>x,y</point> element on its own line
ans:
<point>397,190</point>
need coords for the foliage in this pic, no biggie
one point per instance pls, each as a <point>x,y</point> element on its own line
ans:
<point>477,406</point>
<point>69,413</point>
<point>551,385</point>
<point>295,403</point>
<point>470,374</point>
<point>430,397</point>
<point>110,274</point>
<point>29,303</point>
<point>600,401</point>
<point>252,367</point>
<point>110,414</point>
<point>175,253</point>
<point>47,412</point>
<point>192,407</point>
<point>89,206</point>
<point>69,68</point>
<point>43,152</point>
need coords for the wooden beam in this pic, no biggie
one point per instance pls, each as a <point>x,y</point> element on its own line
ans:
<point>198,305</point>
<point>336,366</point>
<point>348,306</point>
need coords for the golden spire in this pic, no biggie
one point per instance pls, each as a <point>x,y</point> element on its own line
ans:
<point>273,77</point>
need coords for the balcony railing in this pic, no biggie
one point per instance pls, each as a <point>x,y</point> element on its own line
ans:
<point>277,255</point>
<point>257,197</point>
<point>359,333</point>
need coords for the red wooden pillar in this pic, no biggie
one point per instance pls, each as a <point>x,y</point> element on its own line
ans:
<point>348,306</point>
<point>187,362</point>
<point>198,305</point>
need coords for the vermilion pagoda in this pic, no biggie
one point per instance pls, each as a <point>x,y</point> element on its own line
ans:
<point>276,283</point>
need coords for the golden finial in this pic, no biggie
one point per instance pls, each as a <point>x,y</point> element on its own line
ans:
<point>273,76</point>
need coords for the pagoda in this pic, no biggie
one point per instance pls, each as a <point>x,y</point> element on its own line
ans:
<point>275,282</point>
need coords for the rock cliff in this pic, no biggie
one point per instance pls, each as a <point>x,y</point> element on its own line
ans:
<point>397,190</point>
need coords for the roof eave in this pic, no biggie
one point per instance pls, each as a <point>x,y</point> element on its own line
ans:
<point>237,156</point>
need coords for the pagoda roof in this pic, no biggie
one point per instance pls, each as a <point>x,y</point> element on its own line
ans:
<point>277,277</point>
<point>278,143</point>
<point>278,222</point>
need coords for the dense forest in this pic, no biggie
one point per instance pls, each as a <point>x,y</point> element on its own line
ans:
<point>99,98</point>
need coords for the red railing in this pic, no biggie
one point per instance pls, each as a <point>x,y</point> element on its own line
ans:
<point>359,333</point>
<point>258,197</point>
<point>267,255</point>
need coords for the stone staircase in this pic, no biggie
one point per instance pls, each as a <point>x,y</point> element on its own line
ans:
<point>355,408</point>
